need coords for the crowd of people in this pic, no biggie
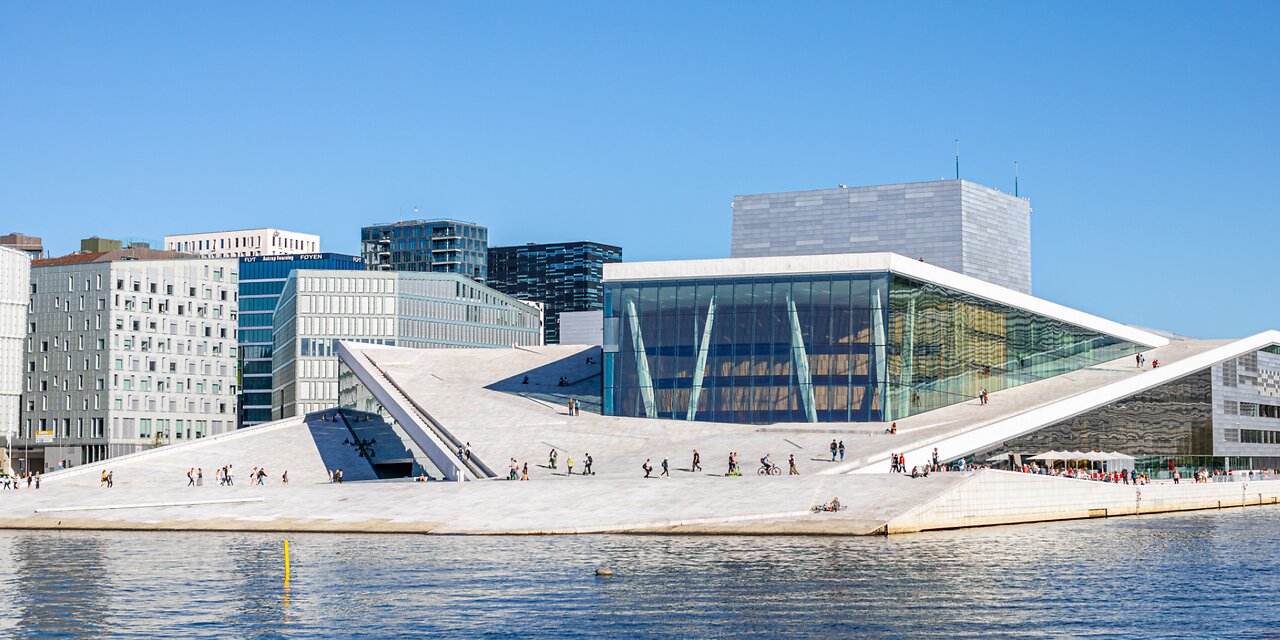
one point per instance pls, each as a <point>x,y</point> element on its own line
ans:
<point>15,482</point>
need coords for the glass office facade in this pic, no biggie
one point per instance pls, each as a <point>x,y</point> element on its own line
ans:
<point>563,276</point>
<point>262,279</point>
<point>438,246</point>
<point>853,347</point>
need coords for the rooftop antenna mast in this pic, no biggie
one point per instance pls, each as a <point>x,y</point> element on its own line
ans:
<point>957,158</point>
<point>1015,178</point>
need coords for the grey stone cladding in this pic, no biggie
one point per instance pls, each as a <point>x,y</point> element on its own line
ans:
<point>1241,386</point>
<point>955,224</point>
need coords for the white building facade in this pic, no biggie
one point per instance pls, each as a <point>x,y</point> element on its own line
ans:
<point>124,355</point>
<point>318,308</point>
<point>245,242</point>
<point>15,277</point>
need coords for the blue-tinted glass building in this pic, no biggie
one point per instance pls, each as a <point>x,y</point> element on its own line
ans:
<point>262,278</point>
<point>840,338</point>
<point>439,246</point>
<point>564,276</point>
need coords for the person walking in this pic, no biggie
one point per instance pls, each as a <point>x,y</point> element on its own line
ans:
<point>524,474</point>
<point>111,479</point>
<point>551,459</point>
<point>570,404</point>
<point>834,448</point>
<point>284,478</point>
<point>842,450</point>
<point>577,407</point>
<point>647,466</point>
<point>697,462</point>
<point>200,476</point>
<point>586,465</point>
<point>568,463</point>
<point>339,475</point>
<point>191,477</point>
<point>665,470</point>
<point>791,461</point>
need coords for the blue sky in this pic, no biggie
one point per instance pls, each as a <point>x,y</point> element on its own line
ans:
<point>1146,132</point>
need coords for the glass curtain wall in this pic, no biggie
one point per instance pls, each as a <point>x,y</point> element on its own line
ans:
<point>860,347</point>
<point>748,350</point>
<point>946,346</point>
<point>1173,419</point>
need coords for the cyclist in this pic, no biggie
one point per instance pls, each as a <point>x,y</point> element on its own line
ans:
<point>766,463</point>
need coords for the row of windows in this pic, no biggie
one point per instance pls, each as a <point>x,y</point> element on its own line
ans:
<point>1257,436</point>
<point>1250,409</point>
<point>125,428</point>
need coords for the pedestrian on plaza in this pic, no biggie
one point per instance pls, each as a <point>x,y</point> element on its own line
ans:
<point>467,452</point>
<point>551,459</point>
<point>284,478</point>
<point>253,476</point>
<point>262,476</point>
<point>791,461</point>
<point>665,470</point>
<point>191,477</point>
<point>586,463</point>
<point>935,457</point>
<point>111,479</point>
<point>339,475</point>
<point>459,452</point>
<point>577,407</point>
<point>842,450</point>
<point>647,466</point>
<point>834,448</point>
<point>1155,363</point>
<point>893,429</point>
<point>199,476</point>
<point>570,404</point>
<point>1138,359</point>
<point>524,474</point>
<point>697,462</point>
<point>568,463</point>
<point>37,479</point>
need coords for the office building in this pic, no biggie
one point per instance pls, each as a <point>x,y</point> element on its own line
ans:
<point>435,246</point>
<point>262,279</point>
<point>565,276</point>
<point>15,278</point>
<point>124,353</point>
<point>30,245</point>
<point>243,243</point>
<point>955,224</point>
<point>420,310</point>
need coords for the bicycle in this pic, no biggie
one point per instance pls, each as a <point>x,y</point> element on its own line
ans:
<point>770,470</point>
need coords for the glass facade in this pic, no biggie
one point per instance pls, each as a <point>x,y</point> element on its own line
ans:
<point>1173,419</point>
<point>852,347</point>
<point>565,276</point>
<point>262,279</point>
<point>438,246</point>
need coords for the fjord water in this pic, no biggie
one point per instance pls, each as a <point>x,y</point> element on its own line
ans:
<point>1208,574</point>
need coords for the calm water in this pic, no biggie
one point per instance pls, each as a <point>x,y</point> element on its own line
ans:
<point>1189,575</point>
